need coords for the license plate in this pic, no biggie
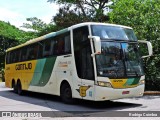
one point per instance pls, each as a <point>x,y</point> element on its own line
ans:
<point>125,92</point>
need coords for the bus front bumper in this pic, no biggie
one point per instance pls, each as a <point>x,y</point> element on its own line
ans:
<point>104,93</point>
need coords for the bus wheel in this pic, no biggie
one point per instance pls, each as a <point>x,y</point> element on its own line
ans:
<point>19,88</point>
<point>66,93</point>
<point>14,86</point>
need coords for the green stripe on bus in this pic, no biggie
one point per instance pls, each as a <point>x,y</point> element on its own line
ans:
<point>136,81</point>
<point>38,72</point>
<point>132,81</point>
<point>45,73</point>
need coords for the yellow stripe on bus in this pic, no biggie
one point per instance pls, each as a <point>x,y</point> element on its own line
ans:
<point>23,71</point>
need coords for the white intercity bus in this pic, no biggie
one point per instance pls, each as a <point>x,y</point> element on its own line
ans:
<point>91,61</point>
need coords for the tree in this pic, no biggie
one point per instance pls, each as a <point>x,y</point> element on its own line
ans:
<point>66,17</point>
<point>35,24</point>
<point>97,6</point>
<point>144,17</point>
<point>76,11</point>
<point>39,27</point>
<point>11,36</point>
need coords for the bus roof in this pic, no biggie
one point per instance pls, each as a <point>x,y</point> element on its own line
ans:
<point>97,23</point>
<point>52,34</point>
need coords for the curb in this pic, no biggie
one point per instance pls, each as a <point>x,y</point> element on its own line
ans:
<point>152,93</point>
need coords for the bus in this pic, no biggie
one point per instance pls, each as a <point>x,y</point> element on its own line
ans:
<point>90,61</point>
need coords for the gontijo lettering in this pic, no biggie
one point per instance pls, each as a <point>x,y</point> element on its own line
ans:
<point>24,66</point>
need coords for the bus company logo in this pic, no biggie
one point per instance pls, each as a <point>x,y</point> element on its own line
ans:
<point>6,114</point>
<point>64,64</point>
<point>23,66</point>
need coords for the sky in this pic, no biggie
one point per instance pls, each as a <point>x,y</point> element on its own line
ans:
<point>16,11</point>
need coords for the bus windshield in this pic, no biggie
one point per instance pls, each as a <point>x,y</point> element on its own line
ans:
<point>113,32</point>
<point>119,60</point>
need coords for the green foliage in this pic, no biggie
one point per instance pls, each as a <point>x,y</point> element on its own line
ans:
<point>36,24</point>
<point>66,18</point>
<point>77,11</point>
<point>2,78</point>
<point>9,37</point>
<point>11,32</point>
<point>8,31</point>
<point>144,17</point>
<point>39,27</point>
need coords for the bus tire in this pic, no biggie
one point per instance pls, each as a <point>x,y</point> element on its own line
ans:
<point>66,93</point>
<point>19,88</point>
<point>14,86</point>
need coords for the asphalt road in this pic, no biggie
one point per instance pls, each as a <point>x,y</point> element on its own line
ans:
<point>54,107</point>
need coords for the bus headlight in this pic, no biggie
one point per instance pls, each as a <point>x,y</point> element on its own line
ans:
<point>141,82</point>
<point>104,84</point>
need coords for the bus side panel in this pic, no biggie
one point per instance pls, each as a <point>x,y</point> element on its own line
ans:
<point>27,75</point>
<point>22,71</point>
<point>64,71</point>
<point>8,79</point>
<point>45,81</point>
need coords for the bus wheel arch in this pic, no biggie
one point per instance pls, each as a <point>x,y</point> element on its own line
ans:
<point>66,92</point>
<point>19,87</point>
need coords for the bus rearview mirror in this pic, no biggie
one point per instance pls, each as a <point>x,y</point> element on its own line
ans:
<point>96,44</point>
<point>145,44</point>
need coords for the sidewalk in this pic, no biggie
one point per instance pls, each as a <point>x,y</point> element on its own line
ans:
<point>152,93</point>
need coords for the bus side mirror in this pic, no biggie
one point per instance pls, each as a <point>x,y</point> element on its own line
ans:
<point>148,45</point>
<point>97,44</point>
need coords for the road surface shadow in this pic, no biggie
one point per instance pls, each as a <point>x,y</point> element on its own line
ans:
<point>80,108</point>
<point>89,104</point>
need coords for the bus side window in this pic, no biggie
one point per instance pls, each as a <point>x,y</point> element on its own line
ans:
<point>8,58</point>
<point>55,47</point>
<point>24,54</point>
<point>47,49</point>
<point>67,46</point>
<point>15,56</point>
<point>40,50</point>
<point>28,57</point>
<point>18,53</point>
<point>60,46</point>
<point>33,51</point>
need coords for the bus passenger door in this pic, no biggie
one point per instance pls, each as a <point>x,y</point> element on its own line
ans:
<point>87,74</point>
<point>84,78</point>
